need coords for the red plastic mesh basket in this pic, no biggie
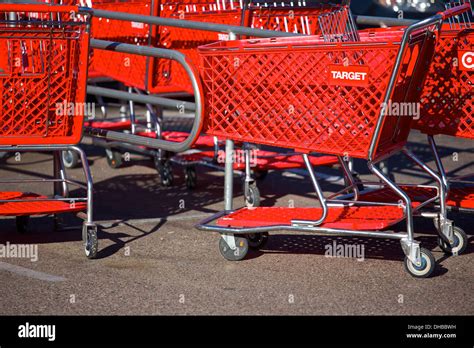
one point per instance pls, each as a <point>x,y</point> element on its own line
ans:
<point>162,75</point>
<point>43,69</point>
<point>309,95</point>
<point>447,103</point>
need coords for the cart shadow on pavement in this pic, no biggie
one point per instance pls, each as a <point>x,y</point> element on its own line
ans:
<point>359,247</point>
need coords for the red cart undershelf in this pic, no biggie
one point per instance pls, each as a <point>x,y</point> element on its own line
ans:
<point>354,218</point>
<point>36,205</point>
<point>458,197</point>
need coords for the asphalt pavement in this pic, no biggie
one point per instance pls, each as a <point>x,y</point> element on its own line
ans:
<point>153,261</point>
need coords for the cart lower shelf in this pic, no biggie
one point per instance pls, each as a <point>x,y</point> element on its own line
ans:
<point>110,124</point>
<point>34,204</point>
<point>458,197</point>
<point>369,218</point>
<point>178,137</point>
<point>267,160</point>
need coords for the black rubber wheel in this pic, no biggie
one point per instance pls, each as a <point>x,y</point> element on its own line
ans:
<point>260,175</point>
<point>91,244</point>
<point>257,240</point>
<point>165,171</point>
<point>459,245</point>
<point>22,223</point>
<point>234,255</point>
<point>190,176</point>
<point>70,159</point>
<point>425,269</point>
<point>4,156</point>
<point>114,158</point>
<point>251,195</point>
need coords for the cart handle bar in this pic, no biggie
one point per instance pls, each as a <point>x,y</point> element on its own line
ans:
<point>197,89</point>
<point>452,12</point>
<point>424,24</point>
<point>179,23</point>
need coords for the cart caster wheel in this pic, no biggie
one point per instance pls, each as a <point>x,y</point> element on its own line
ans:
<point>237,254</point>
<point>190,176</point>
<point>4,156</point>
<point>260,175</point>
<point>22,223</point>
<point>165,171</point>
<point>427,266</point>
<point>91,244</point>
<point>70,159</point>
<point>257,240</point>
<point>459,245</point>
<point>114,158</point>
<point>252,196</point>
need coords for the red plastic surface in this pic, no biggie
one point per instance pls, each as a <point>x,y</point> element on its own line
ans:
<point>266,160</point>
<point>109,124</point>
<point>353,218</point>
<point>161,75</point>
<point>448,96</point>
<point>34,207</point>
<point>276,92</point>
<point>43,68</point>
<point>203,141</point>
<point>458,197</point>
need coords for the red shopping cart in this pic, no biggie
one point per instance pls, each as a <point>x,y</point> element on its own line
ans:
<point>323,97</point>
<point>169,76</point>
<point>43,71</point>
<point>446,109</point>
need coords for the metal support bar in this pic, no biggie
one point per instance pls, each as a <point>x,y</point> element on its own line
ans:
<point>140,98</point>
<point>319,193</point>
<point>185,24</point>
<point>197,91</point>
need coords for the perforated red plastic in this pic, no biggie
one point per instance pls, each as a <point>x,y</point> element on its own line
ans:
<point>43,68</point>
<point>447,103</point>
<point>309,95</point>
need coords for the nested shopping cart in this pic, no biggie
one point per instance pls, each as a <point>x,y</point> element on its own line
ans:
<point>311,95</point>
<point>446,109</point>
<point>43,72</point>
<point>161,75</point>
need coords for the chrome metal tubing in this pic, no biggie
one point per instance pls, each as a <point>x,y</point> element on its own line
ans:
<point>205,225</point>
<point>177,23</point>
<point>436,19</point>
<point>319,193</point>
<point>442,193</point>
<point>229,174</point>
<point>408,207</point>
<point>144,141</point>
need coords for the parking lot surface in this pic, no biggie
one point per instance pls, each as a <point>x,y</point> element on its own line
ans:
<point>153,261</point>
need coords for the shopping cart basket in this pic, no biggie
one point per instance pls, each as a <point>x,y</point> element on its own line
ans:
<point>446,109</point>
<point>43,71</point>
<point>321,97</point>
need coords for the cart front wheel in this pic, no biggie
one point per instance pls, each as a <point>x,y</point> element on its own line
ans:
<point>426,266</point>
<point>70,159</point>
<point>257,240</point>
<point>459,243</point>
<point>242,248</point>
<point>252,195</point>
<point>22,223</point>
<point>165,171</point>
<point>114,158</point>
<point>190,176</point>
<point>91,244</point>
